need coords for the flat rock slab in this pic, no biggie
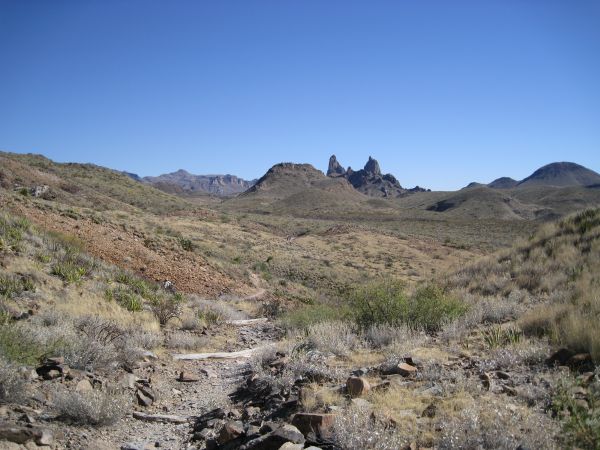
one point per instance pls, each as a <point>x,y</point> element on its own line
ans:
<point>218,355</point>
<point>161,418</point>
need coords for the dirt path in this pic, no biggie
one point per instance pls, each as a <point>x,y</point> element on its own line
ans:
<point>217,378</point>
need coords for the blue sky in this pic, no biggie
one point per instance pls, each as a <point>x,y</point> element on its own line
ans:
<point>440,92</point>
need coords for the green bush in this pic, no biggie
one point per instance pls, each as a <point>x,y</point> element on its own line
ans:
<point>186,244</point>
<point>124,297</point>
<point>429,308</point>
<point>73,266</point>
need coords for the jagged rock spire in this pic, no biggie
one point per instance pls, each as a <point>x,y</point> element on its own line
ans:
<point>335,168</point>
<point>372,167</point>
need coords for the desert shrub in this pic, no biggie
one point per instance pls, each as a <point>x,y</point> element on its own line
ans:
<point>12,384</point>
<point>429,308</point>
<point>497,336</point>
<point>11,285</point>
<point>73,266</point>
<point>184,341</point>
<point>186,244</point>
<point>525,353</point>
<point>166,307</point>
<point>12,230</point>
<point>337,337</point>
<point>580,417</point>
<point>356,428</point>
<point>97,408</point>
<point>136,284</point>
<point>403,337</point>
<point>125,297</point>
<point>18,346</point>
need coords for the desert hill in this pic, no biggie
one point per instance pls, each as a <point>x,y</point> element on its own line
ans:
<point>557,174</point>
<point>561,174</point>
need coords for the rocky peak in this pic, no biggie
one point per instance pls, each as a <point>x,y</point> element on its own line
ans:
<point>372,167</point>
<point>335,168</point>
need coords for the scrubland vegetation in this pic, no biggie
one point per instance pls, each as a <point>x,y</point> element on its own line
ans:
<point>357,298</point>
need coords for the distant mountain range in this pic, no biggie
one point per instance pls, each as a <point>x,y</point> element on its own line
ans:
<point>182,182</point>
<point>558,174</point>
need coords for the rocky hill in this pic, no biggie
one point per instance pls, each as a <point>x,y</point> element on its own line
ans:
<point>370,180</point>
<point>184,182</point>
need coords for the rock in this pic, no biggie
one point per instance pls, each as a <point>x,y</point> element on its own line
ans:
<point>581,361</point>
<point>406,370</point>
<point>275,439</point>
<point>290,446</point>
<point>357,386</point>
<point>128,380</point>
<point>320,424</point>
<point>162,418</point>
<point>187,377</point>
<point>372,167</point>
<point>142,399</point>
<point>230,431</point>
<point>586,378</point>
<point>38,191</point>
<point>360,372</point>
<point>138,446</point>
<point>502,375</point>
<point>485,380</point>
<point>209,373</point>
<point>429,411</point>
<point>24,434</point>
<point>335,168</point>
<point>560,357</point>
<point>84,386</point>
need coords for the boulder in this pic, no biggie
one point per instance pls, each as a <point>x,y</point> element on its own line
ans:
<point>560,357</point>
<point>275,439</point>
<point>230,431</point>
<point>84,386</point>
<point>187,377</point>
<point>320,424</point>
<point>357,386</point>
<point>24,434</point>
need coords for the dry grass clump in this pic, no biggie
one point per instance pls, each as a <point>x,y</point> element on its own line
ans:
<point>12,384</point>
<point>179,340</point>
<point>493,425</point>
<point>309,365</point>
<point>339,338</point>
<point>214,311</point>
<point>357,429</point>
<point>97,408</point>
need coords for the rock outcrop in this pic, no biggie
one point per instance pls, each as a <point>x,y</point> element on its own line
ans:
<point>335,169</point>
<point>370,180</point>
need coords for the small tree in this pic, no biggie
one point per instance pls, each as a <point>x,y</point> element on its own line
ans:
<point>166,307</point>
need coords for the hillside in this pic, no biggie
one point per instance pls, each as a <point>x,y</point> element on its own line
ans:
<point>85,185</point>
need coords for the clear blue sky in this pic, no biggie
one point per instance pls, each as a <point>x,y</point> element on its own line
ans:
<point>440,92</point>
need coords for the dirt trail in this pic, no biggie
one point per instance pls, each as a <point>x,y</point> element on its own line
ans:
<point>217,378</point>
